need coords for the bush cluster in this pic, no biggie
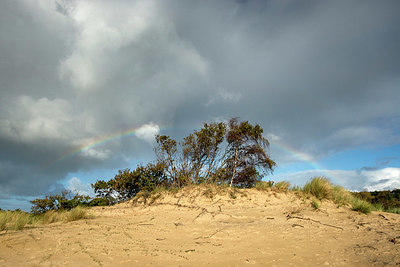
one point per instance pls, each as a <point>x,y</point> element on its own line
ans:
<point>382,200</point>
<point>232,153</point>
<point>65,201</point>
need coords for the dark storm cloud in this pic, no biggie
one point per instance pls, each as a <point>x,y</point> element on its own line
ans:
<point>320,76</point>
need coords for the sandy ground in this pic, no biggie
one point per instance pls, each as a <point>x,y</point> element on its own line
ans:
<point>191,229</point>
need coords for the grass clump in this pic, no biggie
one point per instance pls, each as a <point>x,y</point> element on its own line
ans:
<point>18,220</point>
<point>320,187</point>
<point>263,185</point>
<point>75,214</point>
<point>341,196</point>
<point>315,204</point>
<point>282,186</point>
<point>395,210</point>
<point>361,206</point>
<point>377,207</point>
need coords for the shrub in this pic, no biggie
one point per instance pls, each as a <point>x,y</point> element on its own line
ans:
<point>320,187</point>
<point>64,201</point>
<point>126,184</point>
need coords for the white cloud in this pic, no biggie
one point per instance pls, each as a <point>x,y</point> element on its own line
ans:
<point>100,154</point>
<point>102,28</point>
<point>147,132</point>
<point>383,179</point>
<point>225,96</point>
<point>76,186</point>
<point>29,119</point>
<point>360,135</point>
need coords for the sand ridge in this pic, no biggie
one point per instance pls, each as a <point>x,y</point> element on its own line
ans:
<point>197,226</point>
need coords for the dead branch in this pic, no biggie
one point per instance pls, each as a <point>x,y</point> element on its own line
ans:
<point>309,219</point>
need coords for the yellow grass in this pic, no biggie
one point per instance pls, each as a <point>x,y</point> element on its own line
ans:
<point>17,220</point>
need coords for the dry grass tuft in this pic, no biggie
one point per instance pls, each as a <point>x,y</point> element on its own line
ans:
<point>282,186</point>
<point>315,204</point>
<point>319,187</point>
<point>18,220</point>
<point>361,206</point>
<point>264,186</point>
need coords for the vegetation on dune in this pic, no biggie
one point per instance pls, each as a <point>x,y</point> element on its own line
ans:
<point>225,155</point>
<point>321,188</point>
<point>386,200</point>
<point>282,186</point>
<point>17,220</point>
<point>199,159</point>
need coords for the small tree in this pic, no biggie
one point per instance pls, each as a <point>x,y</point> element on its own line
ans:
<point>126,184</point>
<point>201,150</point>
<point>245,153</point>
<point>166,152</point>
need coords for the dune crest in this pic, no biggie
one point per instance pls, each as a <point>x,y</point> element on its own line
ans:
<point>206,225</point>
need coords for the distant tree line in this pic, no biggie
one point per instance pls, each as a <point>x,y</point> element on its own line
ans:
<point>388,199</point>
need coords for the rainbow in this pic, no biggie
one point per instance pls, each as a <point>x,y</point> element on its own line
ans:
<point>301,156</point>
<point>99,141</point>
<point>105,139</point>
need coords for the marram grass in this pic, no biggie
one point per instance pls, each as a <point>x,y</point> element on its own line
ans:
<point>321,188</point>
<point>17,220</point>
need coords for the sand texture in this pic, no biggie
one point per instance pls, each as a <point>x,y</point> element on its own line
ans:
<point>192,228</point>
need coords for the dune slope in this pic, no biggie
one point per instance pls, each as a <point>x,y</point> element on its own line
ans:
<point>202,227</point>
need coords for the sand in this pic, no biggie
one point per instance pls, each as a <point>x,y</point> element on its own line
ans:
<point>189,228</point>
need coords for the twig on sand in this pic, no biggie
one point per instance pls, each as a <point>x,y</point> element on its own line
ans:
<point>204,210</point>
<point>209,235</point>
<point>309,219</point>
<point>366,246</point>
<point>384,217</point>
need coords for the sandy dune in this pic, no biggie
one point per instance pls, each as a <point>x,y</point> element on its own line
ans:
<point>190,228</point>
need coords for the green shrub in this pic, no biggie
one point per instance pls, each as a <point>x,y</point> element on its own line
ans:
<point>320,187</point>
<point>64,201</point>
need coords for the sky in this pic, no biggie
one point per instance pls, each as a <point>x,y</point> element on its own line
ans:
<point>85,85</point>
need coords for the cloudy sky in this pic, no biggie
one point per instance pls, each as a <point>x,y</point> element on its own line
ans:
<point>85,85</point>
